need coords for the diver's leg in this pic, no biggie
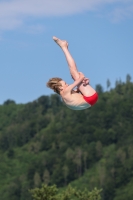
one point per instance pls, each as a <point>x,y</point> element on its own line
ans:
<point>84,87</point>
<point>71,63</point>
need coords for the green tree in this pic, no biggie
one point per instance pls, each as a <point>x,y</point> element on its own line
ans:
<point>99,89</point>
<point>46,177</point>
<point>65,173</point>
<point>52,193</point>
<point>78,160</point>
<point>37,179</point>
<point>9,101</point>
<point>128,78</point>
<point>108,83</point>
<point>85,155</point>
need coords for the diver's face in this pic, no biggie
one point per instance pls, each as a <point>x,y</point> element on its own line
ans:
<point>64,85</point>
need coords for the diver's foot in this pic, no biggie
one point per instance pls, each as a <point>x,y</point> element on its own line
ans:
<point>61,43</point>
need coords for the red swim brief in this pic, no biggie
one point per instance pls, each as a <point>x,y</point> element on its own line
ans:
<point>92,99</point>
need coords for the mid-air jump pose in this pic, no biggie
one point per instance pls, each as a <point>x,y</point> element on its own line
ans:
<point>81,98</point>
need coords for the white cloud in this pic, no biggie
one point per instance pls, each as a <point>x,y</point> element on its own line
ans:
<point>121,13</point>
<point>13,13</point>
<point>35,29</point>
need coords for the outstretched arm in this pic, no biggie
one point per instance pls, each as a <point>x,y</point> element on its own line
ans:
<point>76,83</point>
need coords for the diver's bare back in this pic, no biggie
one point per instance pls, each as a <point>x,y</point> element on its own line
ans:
<point>75,101</point>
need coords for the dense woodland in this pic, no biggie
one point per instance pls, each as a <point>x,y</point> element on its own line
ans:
<point>45,142</point>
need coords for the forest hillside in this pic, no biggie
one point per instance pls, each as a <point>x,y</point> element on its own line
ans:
<point>45,142</point>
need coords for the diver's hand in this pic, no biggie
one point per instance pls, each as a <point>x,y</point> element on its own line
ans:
<point>85,81</point>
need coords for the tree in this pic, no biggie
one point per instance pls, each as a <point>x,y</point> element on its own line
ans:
<point>55,101</point>
<point>37,180</point>
<point>78,160</point>
<point>108,83</point>
<point>118,82</point>
<point>99,149</point>
<point>9,101</point>
<point>65,173</point>
<point>85,155</point>
<point>44,193</point>
<point>51,193</point>
<point>46,177</point>
<point>99,88</point>
<point>45,102</point>
<point>118,86</point>
<point>69,153</point>
<point>121,155</point>
<point>128,78</point>
<point>102,172</point>
<point>14,189</point>
<point>10,153</point>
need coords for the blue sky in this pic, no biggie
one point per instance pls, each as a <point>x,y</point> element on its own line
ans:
<point>100,36</point>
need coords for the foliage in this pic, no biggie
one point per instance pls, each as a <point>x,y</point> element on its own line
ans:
<point>45,142</point>
<point>52,193</point>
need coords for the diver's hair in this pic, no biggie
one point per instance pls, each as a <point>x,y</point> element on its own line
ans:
<point>54,84</point>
